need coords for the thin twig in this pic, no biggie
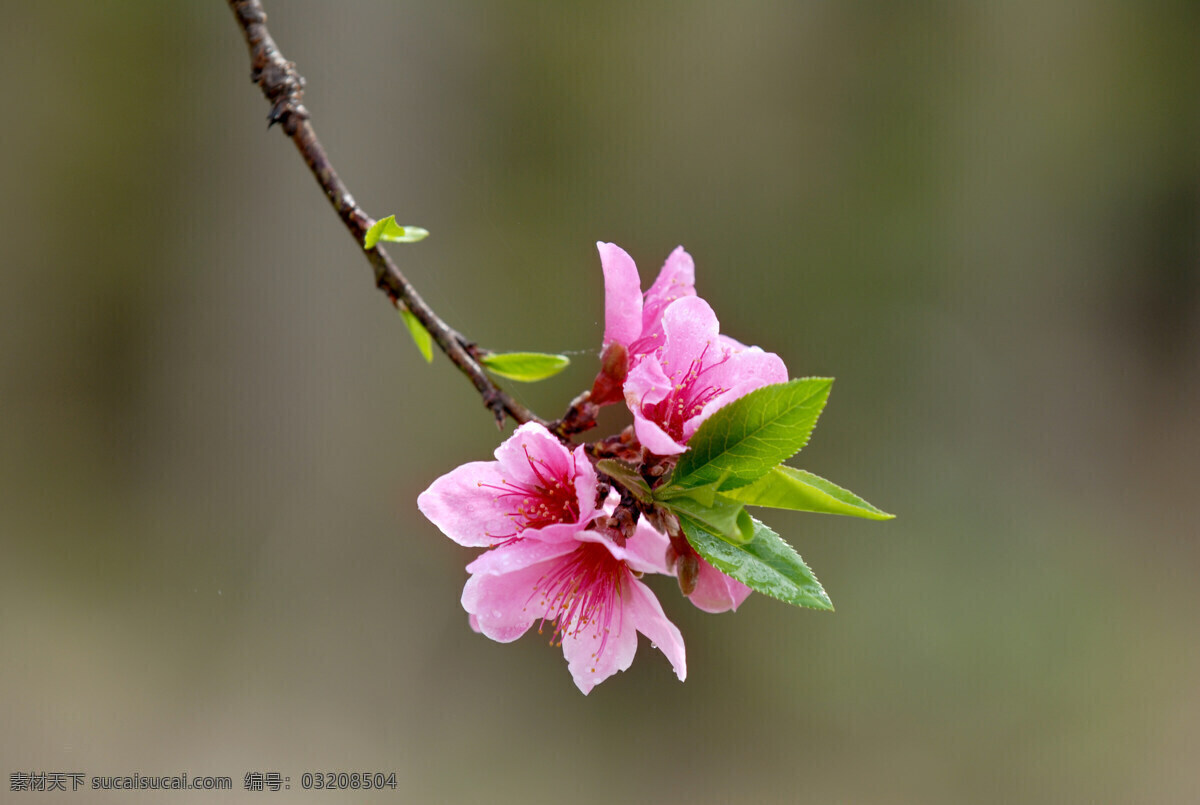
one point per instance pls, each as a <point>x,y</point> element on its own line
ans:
<point>284,88</point>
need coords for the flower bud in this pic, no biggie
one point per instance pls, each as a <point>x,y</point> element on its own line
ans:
<point>614,368</point>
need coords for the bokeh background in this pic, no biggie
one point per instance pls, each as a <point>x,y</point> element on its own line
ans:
<point>982,219</point>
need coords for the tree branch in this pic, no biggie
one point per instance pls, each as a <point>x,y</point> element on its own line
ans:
<point>284,88</point>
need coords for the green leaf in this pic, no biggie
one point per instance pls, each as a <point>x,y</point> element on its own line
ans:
<point>743,441</point>
<point>527,367</point>
<point>388,229</point>
<point>766,564</point>
<point>420,335</point>
<point>627,476</point>
<point>727,519</point>
<point>706,494</point>
<point>790,488</point>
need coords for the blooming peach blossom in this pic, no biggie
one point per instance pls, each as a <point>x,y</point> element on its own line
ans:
<point>690,375</point>
<point>586,592</point>
<point>536,486</point>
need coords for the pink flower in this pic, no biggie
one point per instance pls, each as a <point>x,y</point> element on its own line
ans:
<point>535,487</point>
<point>695,371</point>
<point>587,589</point>
<point>632,319</point>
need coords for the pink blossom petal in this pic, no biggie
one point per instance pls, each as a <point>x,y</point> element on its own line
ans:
<point>588,664</point>
<point>743,372</point>
<point>692,331</point>
<point>533,450</point>
<point>519,555</point>
<point>586,483</point>
<point>464,509</point>
<point>654,438</point>
<point>647,384</point>
<point>761,367</point>
<point>732,344</point>
<point>716,592</point>
<point>553,533</point>
<point>506,592</point>
<point>646,550</point>
<point>622,295</point>
<point>740,374</point>
<point>501,603</point>
<point>640,612</point>
<point>647,614</point>
<point>676,280</point>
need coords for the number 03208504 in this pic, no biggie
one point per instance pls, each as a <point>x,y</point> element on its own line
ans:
<point>354,781</point>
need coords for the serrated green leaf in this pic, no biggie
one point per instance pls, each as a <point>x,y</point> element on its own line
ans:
<point>766,564</point>
<point>727,519</point>
<point>628,476</point>
<point>420,335</point>
<point>387,229</point>
<point>798,490</point>
<point>746,439</point>
<point>526,367</point>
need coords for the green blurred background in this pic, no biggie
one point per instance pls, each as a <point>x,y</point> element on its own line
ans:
<point>982,219</point>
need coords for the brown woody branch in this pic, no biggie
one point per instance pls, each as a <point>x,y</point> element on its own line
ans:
<point>284,88</point>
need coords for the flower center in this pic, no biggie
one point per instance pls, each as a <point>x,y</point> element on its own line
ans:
<point>545,499</point>
<point>582,591</point>
<point>688,397</point>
